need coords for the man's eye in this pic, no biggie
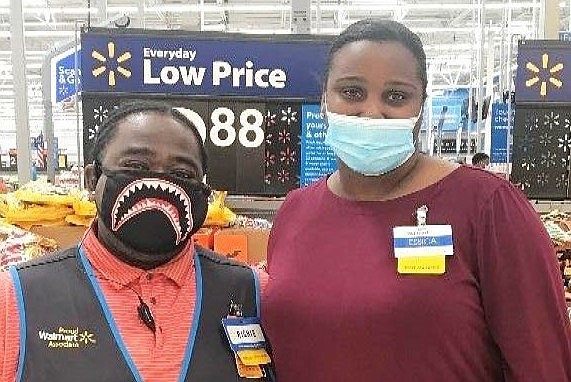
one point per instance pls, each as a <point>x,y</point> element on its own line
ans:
<point>136,165</point>
<point>184,174</point>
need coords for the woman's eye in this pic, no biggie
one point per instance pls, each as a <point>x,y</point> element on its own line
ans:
<point>353,94</point>
<point>396,96</point>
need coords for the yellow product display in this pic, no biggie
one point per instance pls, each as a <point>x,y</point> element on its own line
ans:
<point>218,214</point>
<point>39,192</point>
<point>79,220</point>
<point>84,208</point>
<point>37,215</point>
<point>42,204</point>
<point>35,198</point>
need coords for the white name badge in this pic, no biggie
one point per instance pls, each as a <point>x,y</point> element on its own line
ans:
<point>244,333</point>
<point>423,241</point>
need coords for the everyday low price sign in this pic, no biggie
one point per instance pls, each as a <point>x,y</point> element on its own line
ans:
<point>199,64</point>
<point>244,94</point>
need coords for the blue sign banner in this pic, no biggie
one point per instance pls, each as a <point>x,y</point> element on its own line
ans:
<point>565,35</point>
<point>317,159</point>
<point>447,113</point>
<point>199,64</point>
<point>499,135</point>
<point>422,241</point>
<point>544,71</point>
<point>63,75</point>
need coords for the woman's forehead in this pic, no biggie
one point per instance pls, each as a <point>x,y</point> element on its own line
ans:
<point>374,59</point>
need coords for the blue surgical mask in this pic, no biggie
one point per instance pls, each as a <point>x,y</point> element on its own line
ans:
<point>371,146</point>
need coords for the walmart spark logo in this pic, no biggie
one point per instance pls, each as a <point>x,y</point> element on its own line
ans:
<point>552,73</point>
<point>109,63</point>
<point>87,338</point>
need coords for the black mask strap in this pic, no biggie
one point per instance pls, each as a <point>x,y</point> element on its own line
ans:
<point>98,169</point>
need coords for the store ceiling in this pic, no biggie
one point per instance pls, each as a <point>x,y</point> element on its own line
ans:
<point>448,28</point>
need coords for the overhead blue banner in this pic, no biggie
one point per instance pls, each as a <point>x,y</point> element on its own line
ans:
<point>63,75</point>
<point>543,71</point>
<point>499,135</point>
<point>447,113</point>
<point>202,64</point>
<point>317,159</point>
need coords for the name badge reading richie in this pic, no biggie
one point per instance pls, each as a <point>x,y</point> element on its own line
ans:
<point>247,340</point>
<point>423,249</point>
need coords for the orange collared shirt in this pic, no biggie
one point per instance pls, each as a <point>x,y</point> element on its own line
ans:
<point>169,291</point>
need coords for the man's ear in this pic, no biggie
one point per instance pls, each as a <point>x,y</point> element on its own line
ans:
<point>90,177</point>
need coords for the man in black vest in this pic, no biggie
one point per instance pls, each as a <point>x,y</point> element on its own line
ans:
<point>135,301</point>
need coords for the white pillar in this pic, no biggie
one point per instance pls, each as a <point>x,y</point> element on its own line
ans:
<point>480,128</point>
<point>549,20</point>
<point>20,91</point>
<point>489,89</point>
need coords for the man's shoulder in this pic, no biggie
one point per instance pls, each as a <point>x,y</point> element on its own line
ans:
<point>217,259</point>
<point>47,260</point>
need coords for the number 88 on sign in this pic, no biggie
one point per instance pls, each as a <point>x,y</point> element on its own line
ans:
<point>249,132</point>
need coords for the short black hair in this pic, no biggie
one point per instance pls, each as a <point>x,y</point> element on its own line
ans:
<point>380,30</point>
<point>107,130</point>
<point>480,157</point>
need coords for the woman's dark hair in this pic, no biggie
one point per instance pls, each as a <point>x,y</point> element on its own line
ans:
<point>379,30</point>
<point>107,130</point>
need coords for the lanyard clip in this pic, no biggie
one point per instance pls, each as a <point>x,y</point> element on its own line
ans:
<point>421,215</point>
<point>235,310</point>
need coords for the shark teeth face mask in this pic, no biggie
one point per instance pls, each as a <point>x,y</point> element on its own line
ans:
<point>151,211</point>
<point>370,146</point>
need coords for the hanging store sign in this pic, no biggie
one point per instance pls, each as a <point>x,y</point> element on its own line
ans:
<point>253,147</point>
<point>446,113</point>
<point>499,134</point>
<point>203,64</point>
<point>317,159</point>
<point>541,151</point>
<point>244,94</point>
<point>63,75</point>
<point>544,71</point>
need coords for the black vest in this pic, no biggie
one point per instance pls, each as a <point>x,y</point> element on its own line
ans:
<point>68,334</point>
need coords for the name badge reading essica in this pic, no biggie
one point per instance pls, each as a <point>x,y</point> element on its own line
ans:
<point>423,249</point>
<point>247,340</point>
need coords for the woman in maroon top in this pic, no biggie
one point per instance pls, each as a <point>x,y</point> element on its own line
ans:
<point>337,307</point>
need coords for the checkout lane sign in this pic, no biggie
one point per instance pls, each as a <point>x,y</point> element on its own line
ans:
<point>63,75</point>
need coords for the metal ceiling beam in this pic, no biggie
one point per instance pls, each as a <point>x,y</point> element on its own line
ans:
<point>461,17</point>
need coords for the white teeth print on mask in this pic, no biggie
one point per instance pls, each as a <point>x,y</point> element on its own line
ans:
<point>370,146</point>
<point>151,211</point>
<point>118,218</point>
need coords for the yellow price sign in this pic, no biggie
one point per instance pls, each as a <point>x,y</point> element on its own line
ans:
<point>254,357</point>
<point>422,265</point>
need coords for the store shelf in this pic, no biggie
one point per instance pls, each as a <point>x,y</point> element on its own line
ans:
<point>256,207</point>
<point>545,206</point>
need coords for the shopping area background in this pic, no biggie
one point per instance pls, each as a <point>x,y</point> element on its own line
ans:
<point>497,75</point>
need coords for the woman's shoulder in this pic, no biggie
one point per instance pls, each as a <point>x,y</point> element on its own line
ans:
<point>307,192</point>
<point>468,182</point>
<point>482,177</point>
